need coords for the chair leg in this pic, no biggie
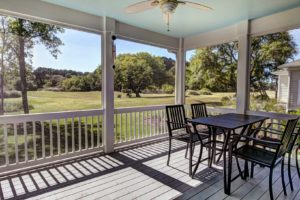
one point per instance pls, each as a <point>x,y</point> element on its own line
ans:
<point>239,168</point>
<point>186,150</point>
<point>297,161</point>
<point>271,183</point>
<point>252,170</point>
<point>246,170</point>
<point>169,153</point>
<point>289,172</point>
<point>198,161</point>
<point>282,177</point>
<point>193,148</point>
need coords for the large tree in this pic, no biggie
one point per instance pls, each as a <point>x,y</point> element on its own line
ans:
<point>215,67</point>
<point>269,52</point>
<point>27,34</point>
<point>132,73</point>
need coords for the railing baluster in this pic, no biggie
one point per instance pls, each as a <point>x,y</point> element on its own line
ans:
<point>147,123</point>
<point>92,132</point>
<point>126,127</point>
<point>43,140</point>
<point>16,143</point>
<point>161,122</point>
<point>66,137</point>
<point>6,145</point>
<point>79,133</point>
<point>143,124</point>
<point>86,133</point>
<point>115,127</point>
<point>73,135</point>
<point>121,130</point>
<point>51,138</point>
<point>135,126</point>
<point>58,137</point>
<point>98,131</point>
<point>25,141</point>
<point>130,126</point>
<point>34,140</point>
<point>139,124</point>
<point>150,123</point>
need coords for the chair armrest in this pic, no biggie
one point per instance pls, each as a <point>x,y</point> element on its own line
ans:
<point>260,140</point>
<point>176,123</point>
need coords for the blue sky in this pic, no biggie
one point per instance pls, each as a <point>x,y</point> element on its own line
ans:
<point>82,51</point>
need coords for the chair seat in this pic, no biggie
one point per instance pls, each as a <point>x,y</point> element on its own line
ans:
<point>255,154</point>
<point>186,137</point>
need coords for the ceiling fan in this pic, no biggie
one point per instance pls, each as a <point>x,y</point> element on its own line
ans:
<point>167,7</point>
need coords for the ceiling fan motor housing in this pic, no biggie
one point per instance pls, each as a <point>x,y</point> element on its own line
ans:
<point>168,6</point>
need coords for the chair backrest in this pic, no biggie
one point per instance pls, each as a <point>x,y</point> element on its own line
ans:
<point>286,138</point>
<point>199,110</point>
<point>295,140</point>
<point>175,118</point>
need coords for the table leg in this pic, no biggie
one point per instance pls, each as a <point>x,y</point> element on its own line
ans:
<point>190,156</point>
<point>214,145</point>
<point>210,147</point>
<point>227,169</point>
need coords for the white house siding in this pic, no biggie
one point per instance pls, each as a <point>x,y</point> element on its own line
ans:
<point>283,88</point>
<point>294,100</point>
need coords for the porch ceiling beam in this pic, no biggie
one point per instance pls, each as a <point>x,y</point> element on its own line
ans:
<point>44,12</point>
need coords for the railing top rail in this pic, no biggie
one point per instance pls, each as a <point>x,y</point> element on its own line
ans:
<point>273,115</point>
<point>48,116</point>
<point>139,109</point>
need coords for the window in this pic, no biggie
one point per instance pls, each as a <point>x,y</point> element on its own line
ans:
<point>144,75</point>
<point>211,75</point>
<point>275,72</point>
<point>47,68</point>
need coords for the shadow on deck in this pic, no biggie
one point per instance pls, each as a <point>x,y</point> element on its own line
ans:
<point>137,172</point>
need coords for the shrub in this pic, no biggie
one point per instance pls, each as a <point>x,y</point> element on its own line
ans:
<point>192,92</point>
<point>119,96</point>
<point>168,89</point>
<point>228,100</point>
<point>205,91</point>
<point>14,107</point>
<point>12,94</point>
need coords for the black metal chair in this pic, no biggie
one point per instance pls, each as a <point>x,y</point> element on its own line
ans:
<point>179,129</point>
<point>257,154</point>
<point>199,110</point>
<point>291,146</point>
<point>297,160</point>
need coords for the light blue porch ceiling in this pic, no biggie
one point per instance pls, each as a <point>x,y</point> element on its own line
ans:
<point>186,21</point>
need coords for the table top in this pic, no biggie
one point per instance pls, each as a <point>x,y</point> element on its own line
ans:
<point>229,121</point>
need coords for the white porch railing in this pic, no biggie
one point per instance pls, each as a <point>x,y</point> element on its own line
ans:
<point>28,140</point>
<point>138,124</point>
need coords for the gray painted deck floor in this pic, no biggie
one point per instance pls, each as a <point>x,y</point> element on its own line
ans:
<point>138,172</point>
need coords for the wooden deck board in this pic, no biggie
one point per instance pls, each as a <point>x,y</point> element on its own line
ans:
<point>139,173</point>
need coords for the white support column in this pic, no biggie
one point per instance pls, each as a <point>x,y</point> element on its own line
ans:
<point>180,74</point>
<point>243,69</point>
<point>108,84</point>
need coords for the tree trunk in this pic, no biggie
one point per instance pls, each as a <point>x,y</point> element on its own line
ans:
<point>137,94</point>
<point>22,68</point>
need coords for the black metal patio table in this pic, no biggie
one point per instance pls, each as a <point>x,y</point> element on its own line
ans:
<point>230,123</point>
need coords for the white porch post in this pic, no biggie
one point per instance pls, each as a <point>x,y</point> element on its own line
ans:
<point>108,84</point>
<point>180,74</point>
<point>243,81</point>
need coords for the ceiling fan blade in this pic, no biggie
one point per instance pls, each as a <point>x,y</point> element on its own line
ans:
<point>197,5</point>
<point>141,6</point>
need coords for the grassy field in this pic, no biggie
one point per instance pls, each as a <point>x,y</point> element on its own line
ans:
<point>45,101</point>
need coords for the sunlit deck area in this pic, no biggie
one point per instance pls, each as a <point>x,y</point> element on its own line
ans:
<point>138,172</point>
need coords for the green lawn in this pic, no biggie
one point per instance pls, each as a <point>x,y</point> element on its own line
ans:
<point>45,101</point>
